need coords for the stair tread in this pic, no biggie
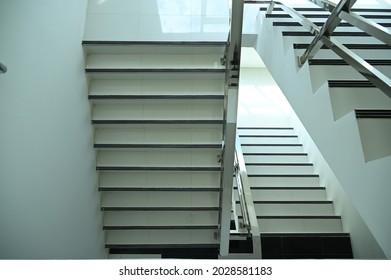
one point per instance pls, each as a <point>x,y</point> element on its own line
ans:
<point>164,189</point>
<point>350,83</point>
<point>279,164</point>
<point>153,96</point>
<point>283,175</point>
<point>158,168</point>
<point>156,146</point>
<point>297,217</point>
<point>373,113</point>
<point>336,33</point>
<point>156,246</point>
<point>155,70</point>
<point>335,62</point>
<point>166,227</point>
<point>349,46</point>
<point>292,202</point>
<point>158,208</point>
<point>105,121</point>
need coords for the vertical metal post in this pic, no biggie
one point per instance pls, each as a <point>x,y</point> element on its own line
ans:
<point>232,61</point>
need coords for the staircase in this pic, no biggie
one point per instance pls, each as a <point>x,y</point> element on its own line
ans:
<point>157,110</point>
<point>295,218</point>
<point>354,114</point>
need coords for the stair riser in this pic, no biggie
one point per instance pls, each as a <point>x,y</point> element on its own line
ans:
<point>161,218</point>
<point>272,149</point>
<point>293,209</point>
<point>269,140</point>
<point>157,87</point>
<point>211,109</point>
<point>160,199</point>
<point>275,159</point>
<point>158,136</point>
<point>345,100</point>
<point>300,225</point>
<point>279,169</point>
<point>160,179</point>
<point>363,53</point>
<point>166,237</point>
<point>154,61</point>
<point>265,132</point>
<point>159,157</point>
<point>289,195</point>
<point>283,181</point>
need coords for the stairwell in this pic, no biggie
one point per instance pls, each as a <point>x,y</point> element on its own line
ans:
<point>346,115</point>
<point>157,110</point>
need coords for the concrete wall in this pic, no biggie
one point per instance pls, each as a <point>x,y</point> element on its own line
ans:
<point>49,202</point>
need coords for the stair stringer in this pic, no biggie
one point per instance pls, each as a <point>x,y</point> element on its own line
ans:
<point>364,205</point>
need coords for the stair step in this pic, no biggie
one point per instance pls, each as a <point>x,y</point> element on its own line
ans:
<point>275,157</point>
<point>152,189</point>
<point>349,46</point>
<point>157,179</point>
<point>268,139</point>
<point>122,97</point>
<point>342,24</point>
<point>368,16</point>
<point>300,224</point>
<point>288,194</point>
<point>163,200</point>
<point>335,62</point>
<point>158,168</point>
<point>336,33</point>
<point>162,218</point>
<point>172,209</point>
<point>279,168</point>
<point>156,146</point>
<point>295,208</point>
<point>376,114</point>
<point>151,47</point>
<point>306,245</point>
<point>272,148</point>
<point>346,97</point>
<point>350,83</point>
<point>192,227</point>
<point>199,237</point>
<point>278,180</point>
<point>264,131</point>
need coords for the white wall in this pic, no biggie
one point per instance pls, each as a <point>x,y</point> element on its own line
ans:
<point>49,203</point>
<point>157,20</point>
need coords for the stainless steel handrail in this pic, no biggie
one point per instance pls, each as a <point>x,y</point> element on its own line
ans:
<point>232,63</point>
<point>323,36</point>
<point>376,30</point>
<point>250,221</point>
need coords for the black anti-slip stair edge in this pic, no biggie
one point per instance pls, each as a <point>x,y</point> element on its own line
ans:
<point>350,83</point>
<point>350,46</point>
<point>373,113</point>
<point>158,189</point>
<point>290,202</point>
<point>296,217</point>
<point>275,154</point>
<point>265,128</point>
<point>287,188</point>
<point>155,248</point>
<point>184,227</point>
<point>158,208</point>
<point>153,43</point>
<point>342,24</point>
<point>153,70</point>
<point>156,96</point>
<point>160,122</point>
<point>305,234</point>
<point>341,62</point>
<point>369,16</point>
<point>336,34</point>
<point>314,9</point>
<point>279,164</point>
<point>268,136</point>
<point>271,145</point>
<point>157,146</point>
<point>157,168</point>
<point>285,175</point>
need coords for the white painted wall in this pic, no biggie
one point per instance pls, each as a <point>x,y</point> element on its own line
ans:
<point>365,183</point>
<point>49,203</point>
<point>157,20</point>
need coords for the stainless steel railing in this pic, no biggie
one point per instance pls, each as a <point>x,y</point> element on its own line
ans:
<point>323,36</point>
<point>250,221</point>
